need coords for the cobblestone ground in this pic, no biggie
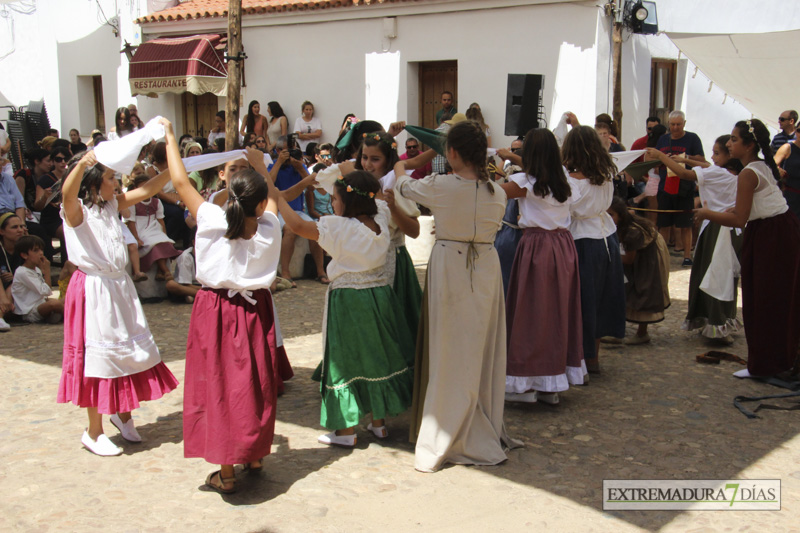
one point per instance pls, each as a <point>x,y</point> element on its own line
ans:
<point>654,413</point>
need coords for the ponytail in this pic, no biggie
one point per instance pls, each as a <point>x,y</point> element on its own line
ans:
<point>754,131</point>
<point>468,139</point>
<point>246,190</point>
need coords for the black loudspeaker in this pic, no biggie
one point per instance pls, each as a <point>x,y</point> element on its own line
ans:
<point>523,103</point>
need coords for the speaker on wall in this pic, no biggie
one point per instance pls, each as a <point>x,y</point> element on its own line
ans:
<point>523,103</point>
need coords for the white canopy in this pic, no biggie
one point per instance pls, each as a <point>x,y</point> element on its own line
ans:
<point>757,69</point>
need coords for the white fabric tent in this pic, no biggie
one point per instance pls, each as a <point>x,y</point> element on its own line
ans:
<point>757,69</point>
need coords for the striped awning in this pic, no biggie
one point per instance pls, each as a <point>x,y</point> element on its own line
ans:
<point>179,64</point>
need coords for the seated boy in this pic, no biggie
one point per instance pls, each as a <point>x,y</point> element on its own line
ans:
<point>31,287</point>
<point>184,286</point>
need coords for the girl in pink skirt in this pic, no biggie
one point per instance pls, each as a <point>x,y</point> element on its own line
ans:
<point>543,305</point>
<point>231,355</point>
<point>111,362</point>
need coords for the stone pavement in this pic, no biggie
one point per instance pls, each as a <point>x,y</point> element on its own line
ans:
<point>654,413</point>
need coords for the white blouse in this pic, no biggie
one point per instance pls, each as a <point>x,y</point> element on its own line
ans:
<point>29,289</point>
<point>236,264</point>
<point>768,200</point>
<point>117,338</point>
<point>590,219</point>
<point>717,189</point>
<point>352,245</point>
<point>537,212</point>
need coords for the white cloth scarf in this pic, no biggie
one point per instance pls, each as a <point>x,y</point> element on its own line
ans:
<point>122,154</point>
<point>202,162</point>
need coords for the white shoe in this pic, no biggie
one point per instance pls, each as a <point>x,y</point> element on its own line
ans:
<point>525,397</point>
<point>551,399</point>
<point>332,439</point>
<point>102,446</point>
<point>381,432</point>
<point>129,432</point>
<point>742,374</point>
<point>4,326</point>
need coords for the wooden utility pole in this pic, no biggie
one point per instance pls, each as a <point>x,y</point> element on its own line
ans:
<point>235,58</point>
<point>616,58</point>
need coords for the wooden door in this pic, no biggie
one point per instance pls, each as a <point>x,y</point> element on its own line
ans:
<point>198,113</point>
<point>435,77</point>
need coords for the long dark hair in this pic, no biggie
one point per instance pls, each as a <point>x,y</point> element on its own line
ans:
<point>365,127</point>
<point>92,179</point>
<point>246,190</point>
<point>384,142</point>
<point>250,125</point>
<point>541,159</point>
<point>627,221</point>
<point>655,134</point>
<point>469,141</point>
<point>583,152</point>
<point>759,136</point>
<point>125,114</point>
<point>733,165</point>
<point>275,109</point>
<point>357,201</point>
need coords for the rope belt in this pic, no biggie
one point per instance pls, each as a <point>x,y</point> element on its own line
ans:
<point>472,255</point>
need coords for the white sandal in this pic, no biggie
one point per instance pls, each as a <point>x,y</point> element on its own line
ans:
<point>332,439</point>
<point>380,432</point>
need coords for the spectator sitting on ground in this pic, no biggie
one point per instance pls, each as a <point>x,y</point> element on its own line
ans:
<point>184,286</point>
<point>31,286</point>
<point>286,172</point>
<point>323,155</point>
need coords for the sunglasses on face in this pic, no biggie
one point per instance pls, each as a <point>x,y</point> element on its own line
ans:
<point>412,147</point>
<point>324,156</point>
<point>59,159</point>
<point>783,119</point>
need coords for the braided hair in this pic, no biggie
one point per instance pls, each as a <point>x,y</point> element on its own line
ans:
<point>469,141</point>
<point>754,131</point>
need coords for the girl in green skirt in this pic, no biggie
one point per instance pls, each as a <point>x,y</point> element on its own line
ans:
<point>365,367</point>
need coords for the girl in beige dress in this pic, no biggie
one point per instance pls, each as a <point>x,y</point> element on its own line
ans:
<point>460,366</point>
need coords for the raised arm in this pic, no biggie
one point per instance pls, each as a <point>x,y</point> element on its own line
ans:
<point>407,224</point>
<point>420,160</point>
<point>513,190</point>
<point>256,159</point>
<point>180,180</point>
<point>299,188</point>
<point>679,170</point>
<point>149,189</point>
<point>73,211</point>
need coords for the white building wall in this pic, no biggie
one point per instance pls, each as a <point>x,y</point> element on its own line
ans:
<point>58,42</point>
<point>348,66</point>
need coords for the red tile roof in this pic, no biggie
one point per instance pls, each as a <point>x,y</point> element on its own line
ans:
<point>204,9</point>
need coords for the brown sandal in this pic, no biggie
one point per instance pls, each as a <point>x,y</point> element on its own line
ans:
<point>222,482</point>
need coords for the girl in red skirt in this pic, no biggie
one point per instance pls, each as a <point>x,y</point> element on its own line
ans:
<point>770,254</point>
<point>231,382</point>
<point>111,362</point>
<point>543,304</point>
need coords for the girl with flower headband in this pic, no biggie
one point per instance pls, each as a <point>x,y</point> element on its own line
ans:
<point>378,156</point>
<point>770,254</point>
<point>232,363</point>
<point>364,367</point>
